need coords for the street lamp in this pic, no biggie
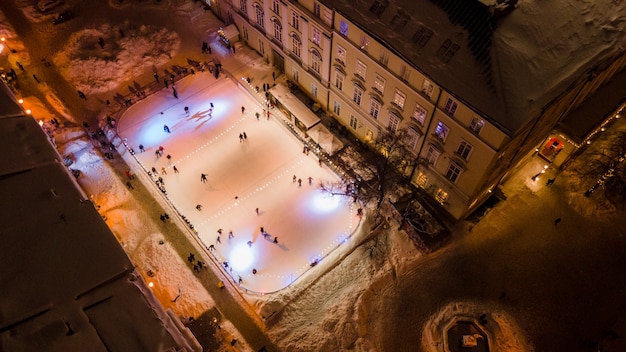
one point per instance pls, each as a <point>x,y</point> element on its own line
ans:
<point>4,43</point>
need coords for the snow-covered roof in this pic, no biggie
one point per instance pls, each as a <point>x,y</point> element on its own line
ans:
<point>509,62</point>
<point>67,284</point>
<point>294,105</point>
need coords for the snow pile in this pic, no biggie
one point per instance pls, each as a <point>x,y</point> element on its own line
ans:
<point>98,60</point>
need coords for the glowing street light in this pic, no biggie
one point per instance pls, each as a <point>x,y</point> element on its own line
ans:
<point>4,43</point>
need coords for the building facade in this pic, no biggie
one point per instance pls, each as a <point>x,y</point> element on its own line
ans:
<point>424,67</point>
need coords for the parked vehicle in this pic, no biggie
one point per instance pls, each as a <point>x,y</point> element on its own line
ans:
<point>63,17</point>
<point>46,5</point>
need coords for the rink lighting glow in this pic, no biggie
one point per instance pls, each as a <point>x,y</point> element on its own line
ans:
<point>241,258</point>
<point>325,203</point>
<point>152,135</point>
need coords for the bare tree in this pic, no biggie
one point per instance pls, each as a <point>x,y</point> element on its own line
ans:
<point>379,168</point>
<point>607,167</point>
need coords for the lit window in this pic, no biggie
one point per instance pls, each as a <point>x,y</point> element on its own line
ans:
<point>419,114</point>
<point>353,122</point>
<point>432,154</point>
<point>339,77</point>
<point>360,70</point>
<point>375,108</point>
<point>379,84</point>
<point>464,149</point>
<point>476,125</point>
<point>343,28</point>
<point>337,108</point>
<point>453,172</point>
<point>441,131</point>
<point>394,121</point>
<point>441,196</point>
<point>399,99</point>
<point>451,106</point>
<point>421,180</point>
<point>341,54</point>
<point>317,36</point>
<point>358,94</point>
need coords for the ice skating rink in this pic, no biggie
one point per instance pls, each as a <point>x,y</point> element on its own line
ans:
<point>242,175</point>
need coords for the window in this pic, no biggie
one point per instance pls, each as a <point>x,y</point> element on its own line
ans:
<point>341,54</point>
<point>259,15</point>
<point>316,9</point>
<point>412,137</point>
<point>432,154</point>
<point>296,45</point>
<point>447,50</point>
<point>343,28</point>
<point>278,31</point>
<point>243,5</point>
<point>295,20</point>
<point>317,36</point>
<point>316,61</point>
<point>276,6</point>
<point>394,122</point>
<point>296,75</point>
<point>339,77</point>
<point>400,20</point>
<point>314,90</point>
<point>365,42</point>
<point>422,36</point>
<point>358,94</point>
<point>399,99</point>
<point>353,122</point>
<point>378,7</point>
<point>453,172</point>
<point>427,88</point>
<point>379,84</point>
<point>261,46</point>
<point>419,114</point>
<point>441,196</point>
<point>384,57</point>
<point>421,180</point>
<point>476,125</point>
<point>405,73</point>
<point>375,108</point>
<point>464,150</point>
<point>451,106</point>
<point>441,131</point>
<point>360,70</point>
<point>337,108</point>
